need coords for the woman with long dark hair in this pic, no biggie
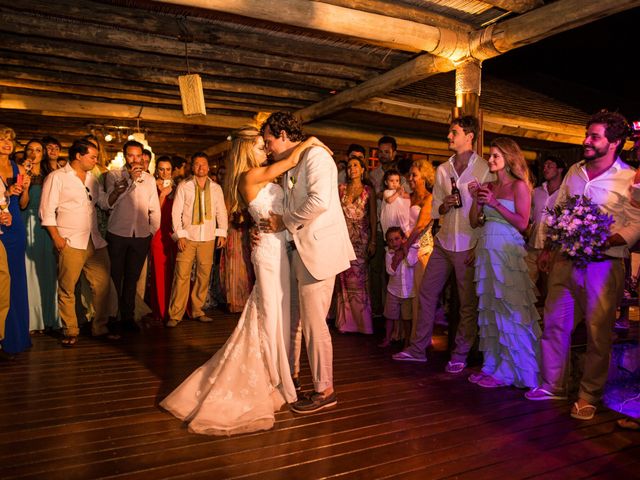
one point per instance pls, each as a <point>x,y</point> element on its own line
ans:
<point>40,258</point>
<point>358,199</point>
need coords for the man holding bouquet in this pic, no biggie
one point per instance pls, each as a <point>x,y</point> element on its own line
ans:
<point>589,288</point>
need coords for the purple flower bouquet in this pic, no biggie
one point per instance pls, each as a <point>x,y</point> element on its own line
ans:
<point>578,229</point>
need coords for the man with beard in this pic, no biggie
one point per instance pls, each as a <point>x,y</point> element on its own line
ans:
<point>590,293</point>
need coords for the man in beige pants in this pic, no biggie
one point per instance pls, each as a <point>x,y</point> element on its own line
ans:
<point>591,293</point>
<point>67,211</point>
<point>200,224</point>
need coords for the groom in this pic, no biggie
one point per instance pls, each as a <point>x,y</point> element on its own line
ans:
<point>319,249</point>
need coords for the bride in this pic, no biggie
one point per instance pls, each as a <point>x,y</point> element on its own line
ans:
<point>242,386</point>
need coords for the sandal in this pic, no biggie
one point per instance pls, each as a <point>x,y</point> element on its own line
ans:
<point>491,382</point>
<point>583,413</point>
<point>477,377</point>
<point>69,341</point>
<point>629,423</point>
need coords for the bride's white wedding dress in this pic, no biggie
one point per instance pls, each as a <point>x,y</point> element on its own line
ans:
<point>242,386</point>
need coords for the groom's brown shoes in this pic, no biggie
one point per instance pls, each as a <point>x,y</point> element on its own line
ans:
<point>315,402</point>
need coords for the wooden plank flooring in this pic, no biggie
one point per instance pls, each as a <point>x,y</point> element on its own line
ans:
<point>91,412</point>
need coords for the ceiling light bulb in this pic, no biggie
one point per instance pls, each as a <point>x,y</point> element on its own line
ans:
<point>108,137</point>
<point>131,137</point>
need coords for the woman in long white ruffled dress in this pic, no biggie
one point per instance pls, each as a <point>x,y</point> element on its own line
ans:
<point>241,387</point>
<point>507,316</point>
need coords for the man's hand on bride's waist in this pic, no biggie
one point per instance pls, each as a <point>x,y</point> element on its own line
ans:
<point>272,224</point>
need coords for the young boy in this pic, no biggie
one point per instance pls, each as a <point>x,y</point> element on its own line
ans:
<point>400,286</point>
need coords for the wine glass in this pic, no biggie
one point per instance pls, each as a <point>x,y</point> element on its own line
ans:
<point>28,166</point>
<point>139,179</point>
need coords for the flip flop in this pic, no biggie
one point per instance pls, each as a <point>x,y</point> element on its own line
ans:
<point>583,413</point>
<point>629,423</point>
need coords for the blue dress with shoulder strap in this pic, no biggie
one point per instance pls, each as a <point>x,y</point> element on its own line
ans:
<point>14,239</point>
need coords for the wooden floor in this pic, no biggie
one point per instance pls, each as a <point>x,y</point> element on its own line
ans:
<point>91,412</point>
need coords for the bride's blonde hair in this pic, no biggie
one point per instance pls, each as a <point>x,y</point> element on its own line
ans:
<point>239,159</point>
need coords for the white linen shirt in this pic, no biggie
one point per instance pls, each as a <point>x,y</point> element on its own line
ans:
<point>182,213</point>
<point>611,192</point>
<point>456,234</point>
<point>401,279</point>
<point>540,201</point>
<point>65,204</point>
<point>136,212</point>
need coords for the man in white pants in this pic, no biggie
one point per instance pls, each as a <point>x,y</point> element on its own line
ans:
<point>320,249</point>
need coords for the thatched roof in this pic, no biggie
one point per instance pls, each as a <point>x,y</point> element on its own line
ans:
<point>74,65</point>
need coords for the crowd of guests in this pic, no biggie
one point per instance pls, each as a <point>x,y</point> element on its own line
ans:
<point>491,242</point>
<point>78,236</point>
<point>412,227</point>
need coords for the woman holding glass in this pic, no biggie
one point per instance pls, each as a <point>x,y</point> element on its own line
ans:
<point>40,259</point>
<point>507,316</point>
<point>15,181</point>
<point>163,248</point>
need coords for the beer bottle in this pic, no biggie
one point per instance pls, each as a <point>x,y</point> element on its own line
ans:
<point>455,191</point>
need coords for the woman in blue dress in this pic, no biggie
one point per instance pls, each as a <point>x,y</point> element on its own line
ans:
<point>40,259</point>
<point>16,336</point>
<point>507,317</point>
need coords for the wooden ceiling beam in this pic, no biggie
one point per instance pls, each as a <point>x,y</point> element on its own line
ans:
<point>541,23</point>
<point>72,92</point>
<point>112,62</point>
<point>392,8</point>
<point>397,33</point>
<point>210,86</point>
<point>84,108</point>
<point>517,6</point>
<point>25,24</point>
<point>202,32</point>
<point>417,69</point>
<point>493,122</point>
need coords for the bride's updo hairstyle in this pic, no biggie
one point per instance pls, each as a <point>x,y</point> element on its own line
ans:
<point>239,160</point>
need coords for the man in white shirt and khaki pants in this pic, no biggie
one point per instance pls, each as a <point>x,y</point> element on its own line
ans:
<point>453,249</point>
<point>67,211</point>
<point>591,293</point>
<point>199,216</point>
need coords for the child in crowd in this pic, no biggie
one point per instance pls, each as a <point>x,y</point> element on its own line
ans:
<point>396,203</point>
<point>400,286</point>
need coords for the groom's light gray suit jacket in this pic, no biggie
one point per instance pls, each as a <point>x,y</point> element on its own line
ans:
<point>313,215</point>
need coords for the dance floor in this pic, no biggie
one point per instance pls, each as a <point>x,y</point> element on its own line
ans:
<point>92,412</point>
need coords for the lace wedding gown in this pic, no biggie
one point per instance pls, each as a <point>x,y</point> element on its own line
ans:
<point>241,387</point>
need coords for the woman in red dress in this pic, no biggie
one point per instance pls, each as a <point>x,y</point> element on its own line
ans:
<point>163,248</point>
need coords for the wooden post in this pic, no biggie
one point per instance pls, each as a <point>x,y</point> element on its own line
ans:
<point>468,86</point>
